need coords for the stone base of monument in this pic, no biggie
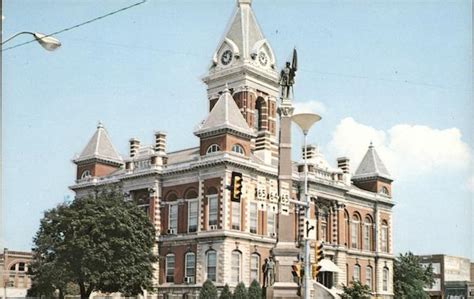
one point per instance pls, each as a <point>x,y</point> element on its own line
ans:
<point>282,290</point>
<point>285,255</point>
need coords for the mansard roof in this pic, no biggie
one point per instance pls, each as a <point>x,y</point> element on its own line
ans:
<point>225,116</point>
<point>100,147</point>
<point>371,166</point>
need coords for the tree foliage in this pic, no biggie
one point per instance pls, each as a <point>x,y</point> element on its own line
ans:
<point>226,293</point>
<point>240,291</point>
<point>356,291</point>
<point>255,291</point>
<point>100,243</point>
<point>410,277</point>
<point>208,291</point>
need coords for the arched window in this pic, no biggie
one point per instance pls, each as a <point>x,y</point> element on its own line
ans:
<point>368,276</point>
<point>355,224</point>
<point>367,233</point>
<point>236,148</point>
<point>169,268</point>
<point>192,201</point>
<point>254,267</point>
<point>384,236</point>
<point>384,190</point>
<point>385,279</point>
<point>213,148</point>
<point>356,273</point>
<point>346,227</point>
<point>236,266</point>
<point>259,107</point>
<point>211,265</point>
<point>86,174</point>
<point>190,266</point>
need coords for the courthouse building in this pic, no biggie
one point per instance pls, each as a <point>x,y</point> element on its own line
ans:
<point>201,233</point>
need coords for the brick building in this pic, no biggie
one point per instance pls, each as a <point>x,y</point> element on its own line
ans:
<point>202,234</point>
<point>14,278</point>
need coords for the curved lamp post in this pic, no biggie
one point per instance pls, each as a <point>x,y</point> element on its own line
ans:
<point>305,121</point>
<point>47,42</point>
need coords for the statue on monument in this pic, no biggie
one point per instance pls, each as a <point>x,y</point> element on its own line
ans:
<point>269,272</point>
<point>287,76</point>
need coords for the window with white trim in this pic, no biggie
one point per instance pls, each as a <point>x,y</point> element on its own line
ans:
<point>86,174</point>
<point>192,216</point>
<point>169,268</point>
<point>253,217</point>
<point>254,267</point>
<point>355,231</point>
<point>368,276</point>
<point>385,279</point>
<point>384,236</point>
<point>356,273</point>
<point>173,217</point>
<point>213,148</point>
<point>211,261</point>
<point>236,215</point>
<point>236,266</point>
<point>270,222</point>
<point>190,265</point>
<point>212,209</point>
<point>366,232</point>
<point>236,148</point>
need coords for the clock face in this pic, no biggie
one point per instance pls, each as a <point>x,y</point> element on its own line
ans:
<point>262,57</point>
<point>226,57</point>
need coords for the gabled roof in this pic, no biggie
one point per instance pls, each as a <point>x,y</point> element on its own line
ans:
<point>371,166</point>
<point>225,116</point>
<point>100,147</point>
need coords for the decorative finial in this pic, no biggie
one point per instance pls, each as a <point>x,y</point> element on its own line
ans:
<point>226,90</point>
<point>371,145</point>
<point>100,125</point>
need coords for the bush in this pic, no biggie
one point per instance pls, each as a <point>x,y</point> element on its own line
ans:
<point>240,291</point>
<point>226,293</point>
<point>255,291</point>
<point>208,291</point>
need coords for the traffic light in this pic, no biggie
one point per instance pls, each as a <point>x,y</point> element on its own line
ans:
<point>318,257</point>
<point>236,186</point>
<point>296,270</point>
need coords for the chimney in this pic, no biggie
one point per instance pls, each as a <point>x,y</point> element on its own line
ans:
<point>311,151</point>
<point>160,142</point>
<point>134,146</point>
<point>343,163</point>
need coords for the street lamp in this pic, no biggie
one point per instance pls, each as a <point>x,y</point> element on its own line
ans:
<point>47,42</point>
<point>305,121</point>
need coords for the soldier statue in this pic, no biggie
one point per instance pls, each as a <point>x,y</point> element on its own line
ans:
<point>269,272</point>
<point>287,76</point>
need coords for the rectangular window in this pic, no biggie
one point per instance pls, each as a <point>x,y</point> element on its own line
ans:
<point>324,228</point>
<point>354,235</point>
<point>270,222</point>
<point>356,276</point>
<point>366,237</point>
<point>254,266</point>
<point>211,266</point>
<point>190,266</point>
<point>192,216</point>
<point>253,218</point>
<point>384,239</point>
<point>170,268</point>
<point>368,277</point>
<point>236,215</point>
<point>385,279</point>
<point>235,267</point>
<point>173,218</point>
<point>212,209</point>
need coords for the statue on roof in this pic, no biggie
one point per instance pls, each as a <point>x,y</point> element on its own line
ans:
<point>287,76</point>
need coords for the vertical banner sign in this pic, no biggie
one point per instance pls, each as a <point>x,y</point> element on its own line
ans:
<point>262,193</point>
<point>236,186</point>
<point>285,198</point>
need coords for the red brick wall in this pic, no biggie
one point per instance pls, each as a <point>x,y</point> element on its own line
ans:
<point>179,252</point>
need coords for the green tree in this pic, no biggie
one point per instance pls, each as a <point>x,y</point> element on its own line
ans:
<point>100,243</point>
<point>356,291</point>
<point>255,291</point>
<point>208,291</point>
<point>240,291</point>
<point>410,277</point>
<point>226,293</point>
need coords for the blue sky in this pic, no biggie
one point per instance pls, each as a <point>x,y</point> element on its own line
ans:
<point>397,73</point>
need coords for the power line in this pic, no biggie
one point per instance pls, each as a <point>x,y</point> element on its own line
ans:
<point>79,25</point>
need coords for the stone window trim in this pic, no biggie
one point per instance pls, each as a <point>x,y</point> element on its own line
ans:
<point>213,148</point>
<point>355,231</point>
<point>190,226</point>
<point>385,278</point>
<point>384,236</point>
<point>212,209</point>
<point>254,267</point>
<point>367,234</point>
<point>369,276</point>
<point>236,266</point>
<point>213,267</point>
<point>169,267</point>
<point>356,273</point>
<point>188,257</point>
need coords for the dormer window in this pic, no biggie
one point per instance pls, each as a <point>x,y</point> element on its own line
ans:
<point>85,174</point>
<point>213,148</point>
<point>236,148</point>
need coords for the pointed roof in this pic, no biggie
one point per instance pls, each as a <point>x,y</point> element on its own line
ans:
<point>371,166</point>
<point>100,147</point>
<point>225,116</point>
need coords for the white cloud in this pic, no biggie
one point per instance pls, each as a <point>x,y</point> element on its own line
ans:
<point>407,150</point>
<point>309,107</point>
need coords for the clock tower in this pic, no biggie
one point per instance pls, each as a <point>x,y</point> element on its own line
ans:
<point>244,63</point>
